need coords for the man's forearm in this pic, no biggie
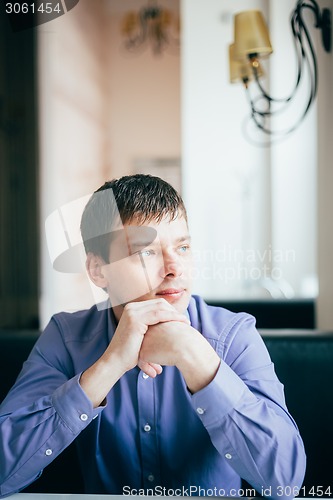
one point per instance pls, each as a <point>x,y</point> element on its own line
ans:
<point>32,435</point>
<point>98,380</point>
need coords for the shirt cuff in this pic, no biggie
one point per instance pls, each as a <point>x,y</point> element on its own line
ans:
<point>219,397</point>
<point>73,405</point>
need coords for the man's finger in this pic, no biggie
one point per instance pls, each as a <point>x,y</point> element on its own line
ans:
<point>151,369</point>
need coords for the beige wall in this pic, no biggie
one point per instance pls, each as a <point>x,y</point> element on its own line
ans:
<point>100,110</point>
<point>73,151</point>
<point>144,103</point>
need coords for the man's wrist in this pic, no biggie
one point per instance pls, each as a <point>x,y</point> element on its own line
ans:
<point>199,365</point>
<point>99,379</point>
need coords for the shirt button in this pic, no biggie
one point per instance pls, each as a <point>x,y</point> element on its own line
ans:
<point>48,452</point>
<point>147,428</point>
<point>151,478</point>
<point>228,456</point>
<point>145,375</point>
<point>201,411</point>
<point>84,417</point>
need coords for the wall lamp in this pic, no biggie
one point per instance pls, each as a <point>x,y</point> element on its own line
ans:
<point>252,43</point>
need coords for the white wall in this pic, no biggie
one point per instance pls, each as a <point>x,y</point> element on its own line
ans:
<point>293,162</point>
<point>226,180</point>
<point>241,197</point>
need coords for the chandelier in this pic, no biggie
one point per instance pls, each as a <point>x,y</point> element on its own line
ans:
<point>151,25</point>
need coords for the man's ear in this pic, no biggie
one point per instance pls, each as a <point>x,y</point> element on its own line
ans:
<point>94,266</point>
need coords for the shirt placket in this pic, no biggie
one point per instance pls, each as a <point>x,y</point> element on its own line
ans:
<point>147,431</point>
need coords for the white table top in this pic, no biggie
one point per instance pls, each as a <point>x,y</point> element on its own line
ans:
<point>72,496</point>
<point>81,496</point>
<point>66,496</point>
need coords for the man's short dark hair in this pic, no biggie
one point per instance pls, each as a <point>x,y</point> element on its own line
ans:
<point>139,197</point>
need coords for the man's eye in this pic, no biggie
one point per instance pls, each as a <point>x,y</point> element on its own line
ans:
<point>184,248</point>
<point>146,253</point>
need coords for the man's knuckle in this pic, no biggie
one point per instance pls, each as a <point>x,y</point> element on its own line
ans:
<point>157,313</point>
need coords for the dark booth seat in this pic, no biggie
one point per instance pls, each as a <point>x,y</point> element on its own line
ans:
<point>274,313</point>
<point>303,361</point>
<point>63,475</point>
<point>304,364</point>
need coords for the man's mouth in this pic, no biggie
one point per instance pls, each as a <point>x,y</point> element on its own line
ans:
<point>171,293</point>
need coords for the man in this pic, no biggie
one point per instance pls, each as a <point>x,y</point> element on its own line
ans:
<point>215,412</point>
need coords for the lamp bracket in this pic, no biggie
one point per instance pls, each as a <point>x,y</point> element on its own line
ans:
<point>305,56</point>
<point>326,29</point>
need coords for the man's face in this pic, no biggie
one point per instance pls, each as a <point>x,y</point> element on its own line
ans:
<point>150,261</point>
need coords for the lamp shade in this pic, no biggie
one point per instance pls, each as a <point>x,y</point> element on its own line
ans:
<point>240,69</point>
<point>251,35</point>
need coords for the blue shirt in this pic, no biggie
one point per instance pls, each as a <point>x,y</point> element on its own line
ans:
<point>153,435</point>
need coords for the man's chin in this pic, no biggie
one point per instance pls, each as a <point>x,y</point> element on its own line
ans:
<point>179,300</point>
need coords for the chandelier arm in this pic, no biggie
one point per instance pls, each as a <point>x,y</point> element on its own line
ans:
<point>251,102</point>
<point>298,27</point>
<point>254,111</point>
<point>136,40</point>
<point>257,115</point>
<point>301,4</point>
<point>313,55</point>
<point>284,100</point>
<point>269,100</point>
<point>144,14</point>
<point>262,126</point>
<point>281,133</point>
<point>300,55</point>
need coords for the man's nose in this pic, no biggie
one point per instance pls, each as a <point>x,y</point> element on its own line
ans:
<point>172,265</point>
